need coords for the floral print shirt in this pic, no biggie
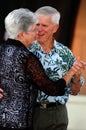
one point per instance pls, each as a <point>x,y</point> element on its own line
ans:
<point>56,63</point>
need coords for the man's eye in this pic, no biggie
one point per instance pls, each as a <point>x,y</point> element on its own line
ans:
<point>37,24</point>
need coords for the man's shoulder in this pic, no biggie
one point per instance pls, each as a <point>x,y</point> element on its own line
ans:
<point>60,44</point>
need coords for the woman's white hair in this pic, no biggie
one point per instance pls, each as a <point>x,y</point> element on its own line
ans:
<point>48,10</point>
<point>17,20</point>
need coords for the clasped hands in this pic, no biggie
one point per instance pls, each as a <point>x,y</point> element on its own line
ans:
<point>78,67</point>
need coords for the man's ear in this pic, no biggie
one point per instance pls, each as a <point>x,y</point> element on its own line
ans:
<point>56,28</point>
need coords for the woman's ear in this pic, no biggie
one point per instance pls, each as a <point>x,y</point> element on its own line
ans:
<point>20,35</point>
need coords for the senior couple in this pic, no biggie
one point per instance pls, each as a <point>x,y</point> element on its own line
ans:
<point>37,73</point>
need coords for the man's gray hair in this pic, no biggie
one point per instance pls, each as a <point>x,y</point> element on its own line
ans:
<point>48,10</point>
<point>17,20</point>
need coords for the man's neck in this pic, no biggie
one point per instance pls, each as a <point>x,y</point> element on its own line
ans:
<point>47,47</point>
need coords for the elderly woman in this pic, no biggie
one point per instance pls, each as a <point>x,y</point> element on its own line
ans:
<point>21,73</point>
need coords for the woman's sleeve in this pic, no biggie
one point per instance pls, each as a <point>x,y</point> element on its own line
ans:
<point>42,82</point>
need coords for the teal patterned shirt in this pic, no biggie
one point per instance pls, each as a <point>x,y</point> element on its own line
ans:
<point>56,63</point>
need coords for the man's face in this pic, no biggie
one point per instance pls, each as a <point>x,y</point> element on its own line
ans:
<point>45,29</point>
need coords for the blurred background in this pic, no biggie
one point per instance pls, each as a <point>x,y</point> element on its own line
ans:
<point>72,33</point>
<point>67,8</point>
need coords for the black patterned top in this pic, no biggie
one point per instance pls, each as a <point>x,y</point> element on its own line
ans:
<point>21,74</point>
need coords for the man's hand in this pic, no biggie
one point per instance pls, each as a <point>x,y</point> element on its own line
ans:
<point>79,66</point>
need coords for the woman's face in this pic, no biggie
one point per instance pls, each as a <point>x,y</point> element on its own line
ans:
<point>28,38</point>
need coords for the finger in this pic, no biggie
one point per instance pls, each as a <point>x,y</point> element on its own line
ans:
<point>78,59</point>
<point>79,65</point>
<point>74,69</point>
<point>1,90</point>
<point>82,62</point>
<point>1,95</point>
